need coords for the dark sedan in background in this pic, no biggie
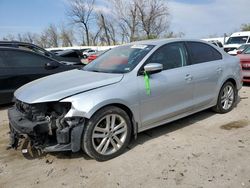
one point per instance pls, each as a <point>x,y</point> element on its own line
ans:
<point>73,55</point>
<point>18,67</point>
<point>76,59</point>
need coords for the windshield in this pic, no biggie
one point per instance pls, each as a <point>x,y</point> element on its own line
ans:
<point>246,51</point>
<point>121,59</point>
<point>244,46</point>
<point>237,40</point>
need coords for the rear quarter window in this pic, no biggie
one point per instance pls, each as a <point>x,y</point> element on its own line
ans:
<point>15,58</point>
<point>201,52</point>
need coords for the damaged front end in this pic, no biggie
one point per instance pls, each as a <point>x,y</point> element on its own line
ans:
<point>45,126</point>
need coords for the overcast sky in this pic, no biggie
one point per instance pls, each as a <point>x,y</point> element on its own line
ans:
<point>201,18</point>
<point>195,18</point>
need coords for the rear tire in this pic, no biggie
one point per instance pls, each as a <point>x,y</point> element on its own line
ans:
<point>226,99</point>
<point>107,133</point>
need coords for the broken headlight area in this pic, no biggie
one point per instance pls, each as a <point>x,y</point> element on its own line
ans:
<point>45,126</point>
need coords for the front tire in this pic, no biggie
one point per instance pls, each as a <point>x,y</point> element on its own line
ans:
<point>107,133</point>
<point>226,99</point>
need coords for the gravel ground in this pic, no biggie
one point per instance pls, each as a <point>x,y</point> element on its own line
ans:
<point>202,150</point>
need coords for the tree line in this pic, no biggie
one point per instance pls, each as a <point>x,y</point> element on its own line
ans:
<point>121,21</point>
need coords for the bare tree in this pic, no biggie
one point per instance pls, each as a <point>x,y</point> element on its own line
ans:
<point>9,37</point>
<point>171,34</point>
<point>43,40</point>
<point>127,14</point>
<point>153,15</point>
<point>52,35</point>
<point>95,36</point>
<point>245,27</point>
<point>29,37</point>
<point>112,33</point>
<point>106,28</point>
<point>49,37</point>
<point>66,36</point>
<point>81,12</point>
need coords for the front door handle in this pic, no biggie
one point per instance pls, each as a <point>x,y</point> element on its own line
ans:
<point>188,77</point>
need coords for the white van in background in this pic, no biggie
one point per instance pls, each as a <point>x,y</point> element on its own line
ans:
<point>236,40</point>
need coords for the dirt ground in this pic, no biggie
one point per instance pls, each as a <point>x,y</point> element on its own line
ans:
<point>203,150</point>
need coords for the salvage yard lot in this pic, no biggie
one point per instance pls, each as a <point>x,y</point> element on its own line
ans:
<point>202,150</point>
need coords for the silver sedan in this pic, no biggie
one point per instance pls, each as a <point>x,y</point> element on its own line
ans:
<point>129,89</point>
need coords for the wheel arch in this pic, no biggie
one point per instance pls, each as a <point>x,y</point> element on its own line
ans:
<point>229,79</point>
<point>232,80</point>
<point>127,110</point>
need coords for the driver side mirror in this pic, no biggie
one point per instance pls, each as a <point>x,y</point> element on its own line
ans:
<point>239,52</point>
<point>51,65</point>
<point>153,68</point>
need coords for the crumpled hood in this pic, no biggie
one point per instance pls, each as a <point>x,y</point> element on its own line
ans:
<point>61,85</point>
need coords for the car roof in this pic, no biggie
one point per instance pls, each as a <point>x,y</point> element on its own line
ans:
<point>23,50</point>
<point>18,42</point>
<point>159,42</point>
<point>14,49</point>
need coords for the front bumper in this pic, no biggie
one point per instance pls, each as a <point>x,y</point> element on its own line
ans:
<point>21,125</point>
<point>69,139</point>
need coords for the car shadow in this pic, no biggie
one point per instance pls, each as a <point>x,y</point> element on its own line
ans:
<point>6,106</point>
<point>32,153</point>
<point>165,129</point>
<point>147,135</point>
<point>246,84</point>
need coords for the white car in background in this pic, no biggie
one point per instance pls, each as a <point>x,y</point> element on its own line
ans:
<point>239,50</point>
<point>236,40</point>
<point>216,43</point>
<point>88,52</point>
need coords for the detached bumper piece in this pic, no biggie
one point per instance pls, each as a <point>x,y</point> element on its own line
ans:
<point>44,134</point>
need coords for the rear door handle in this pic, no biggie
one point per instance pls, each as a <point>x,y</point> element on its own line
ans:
<point>188,77</point>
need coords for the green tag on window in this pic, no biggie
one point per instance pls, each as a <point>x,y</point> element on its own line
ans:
<point>147,84</point>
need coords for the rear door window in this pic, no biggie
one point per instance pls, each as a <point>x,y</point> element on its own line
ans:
<point>14,58</point>
<point>201,52</point>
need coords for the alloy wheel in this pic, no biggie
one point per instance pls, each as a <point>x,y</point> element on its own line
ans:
<point>109,134</point>
<point>227,98</point>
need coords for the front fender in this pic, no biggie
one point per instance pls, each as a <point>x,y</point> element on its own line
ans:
<point>86,104</point>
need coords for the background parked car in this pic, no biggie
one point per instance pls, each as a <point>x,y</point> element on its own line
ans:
<point>88,52</point>
<point>27,46</point>
<point>55,51</point>
<point>95,55</point>
<point>18,67</point>
<point>239,50</point>
<point>245,64</point>
<point>72,55</point>
<point>37,49</point>
<point>236,40</point>
<point>216,43</point>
